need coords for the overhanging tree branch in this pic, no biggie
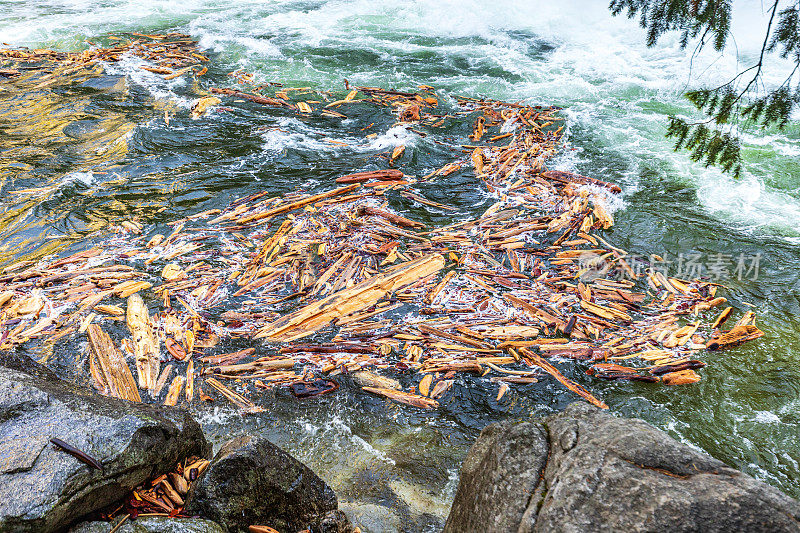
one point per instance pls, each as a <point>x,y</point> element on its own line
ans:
<point>725,106</point>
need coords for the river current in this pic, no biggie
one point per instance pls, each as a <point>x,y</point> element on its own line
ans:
<point>72,162</point>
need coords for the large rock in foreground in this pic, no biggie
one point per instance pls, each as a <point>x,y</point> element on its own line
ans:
<point>252,481</point>
<point>584,470</point>
<point>43,489</point>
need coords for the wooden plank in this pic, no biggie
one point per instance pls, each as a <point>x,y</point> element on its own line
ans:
<point>317,315</point>
<point>112,364</point>
<point>145,343</point>
<point>233,397</point>
<point>298,203</point>
<point>568,383</point>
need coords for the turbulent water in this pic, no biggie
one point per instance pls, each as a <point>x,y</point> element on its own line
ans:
<point>73,161</point>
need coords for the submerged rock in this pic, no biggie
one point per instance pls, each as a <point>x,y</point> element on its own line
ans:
<point>252,481</point>
<point>153,524</point>
<point>586,470</point>
<point>43,489</point>
<point>370,517</point>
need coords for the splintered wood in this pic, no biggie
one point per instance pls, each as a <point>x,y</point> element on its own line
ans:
<point>163,495</point>
<point>171,55</point>
<point>311,318</point>
<point>112,374</point>
<point>525,292</point>
<point>145,345</point>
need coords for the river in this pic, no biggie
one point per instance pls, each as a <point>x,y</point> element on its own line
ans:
<point>73,161</point>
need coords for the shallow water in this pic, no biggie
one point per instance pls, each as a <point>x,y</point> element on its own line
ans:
<point>76,157</point>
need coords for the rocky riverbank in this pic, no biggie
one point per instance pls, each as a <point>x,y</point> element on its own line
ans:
<point>579,470</point>
<point>586,470</point>
<point>45,489</point>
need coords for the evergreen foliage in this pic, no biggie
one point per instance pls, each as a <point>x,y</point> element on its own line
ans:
<point>741,102</point>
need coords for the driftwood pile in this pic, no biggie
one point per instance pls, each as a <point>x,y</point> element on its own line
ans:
<point>162,496</point>
<point>170,55</point>
<point>337,282</point>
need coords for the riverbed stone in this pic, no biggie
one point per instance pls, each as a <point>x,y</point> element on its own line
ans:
<point>153,524</point>
<point>371,518</point>
<point>43,489</point>
<point>252,481</point>
<point>597,472</point>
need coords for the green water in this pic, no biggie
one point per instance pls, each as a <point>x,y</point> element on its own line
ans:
<point>77,157</point>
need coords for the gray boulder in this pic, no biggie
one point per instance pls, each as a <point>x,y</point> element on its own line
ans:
<point>252,481</point>
<point>43,489</point>
<point>498,476</point>
<point>152,524</point>
<point>584,470</point>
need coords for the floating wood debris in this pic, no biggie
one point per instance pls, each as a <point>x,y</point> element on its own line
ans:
<point>311,318</point>
<point>145,345</point>
<point>528,291</point>
<point>171,55</point>
<point>164,495</point>
<point>111,375</point>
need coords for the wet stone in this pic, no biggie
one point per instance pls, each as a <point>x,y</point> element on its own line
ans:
<point>586,470</point>
<point>44,489</point>
<point>252,481</point>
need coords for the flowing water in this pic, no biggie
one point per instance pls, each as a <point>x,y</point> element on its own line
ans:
<point>75,158</point>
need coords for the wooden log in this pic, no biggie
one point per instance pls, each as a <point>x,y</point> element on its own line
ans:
<point>179,483</point>
<point>569,177</point>
<point>510,332</point>
<point>441,387</point>
<point>190,382</point>
<point>321,348</point>
<point>193,470</point>
<point>453,366</point>
<point>736,335</point>
<point>722,318</point>
<point>433,293</point>
<point>366,378</point>
<point>545,316</point>
<point>171,493</point>
<point>425,385</point>
<point>381,175</point>
<point>261,529</point>
<point>145,343</point>
<point>263,364</point>
<point>317,315</point>
<point>127,288</point>
<point>605,312</point>
<point>424,328</point>
<point>391,217</point>
<point>112,364</point>
<point>228,358</point>
<point>174,391</point>
<point>263,100</point>
<point>682,377</point>
<point>568,383</point>
<point>233,397</point>
<point>162,381</point>
<point>677,367</point>
<point>299,203</point>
